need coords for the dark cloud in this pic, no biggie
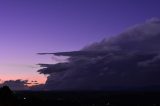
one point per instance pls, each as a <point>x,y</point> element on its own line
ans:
<point>16,84</point>
<point>23,85</point>
<point>53,68</point>
<point>78,53</point>
<point>132,58</point>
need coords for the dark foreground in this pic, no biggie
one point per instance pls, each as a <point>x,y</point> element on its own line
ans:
<point>89,98</point>
<point>44,98</point>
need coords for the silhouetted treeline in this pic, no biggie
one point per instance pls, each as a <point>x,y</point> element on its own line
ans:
<point>7,97</point>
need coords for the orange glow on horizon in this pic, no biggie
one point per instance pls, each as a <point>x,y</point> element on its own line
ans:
<point>41,79</point>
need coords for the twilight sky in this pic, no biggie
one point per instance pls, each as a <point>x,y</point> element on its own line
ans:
<point>31,26</point>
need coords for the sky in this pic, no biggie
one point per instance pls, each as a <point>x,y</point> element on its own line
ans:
<point>28,27</point>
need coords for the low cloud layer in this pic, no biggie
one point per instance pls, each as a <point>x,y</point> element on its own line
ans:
<point>20,84</point>
<point>130,59</point>
<point>16,84</point>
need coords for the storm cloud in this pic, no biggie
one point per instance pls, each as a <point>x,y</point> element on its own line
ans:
<point>130,59</point>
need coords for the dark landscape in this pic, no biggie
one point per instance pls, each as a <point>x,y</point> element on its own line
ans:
<point>81,98</point>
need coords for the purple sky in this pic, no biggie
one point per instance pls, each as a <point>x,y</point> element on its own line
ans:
<point>31,26</point>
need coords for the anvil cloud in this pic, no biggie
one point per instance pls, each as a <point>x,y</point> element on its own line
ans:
<point>130,59</point>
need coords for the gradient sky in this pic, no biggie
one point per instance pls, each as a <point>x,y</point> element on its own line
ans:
<point>31,26</point>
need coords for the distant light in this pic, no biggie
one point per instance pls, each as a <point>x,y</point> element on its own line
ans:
<point>24,98</point>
